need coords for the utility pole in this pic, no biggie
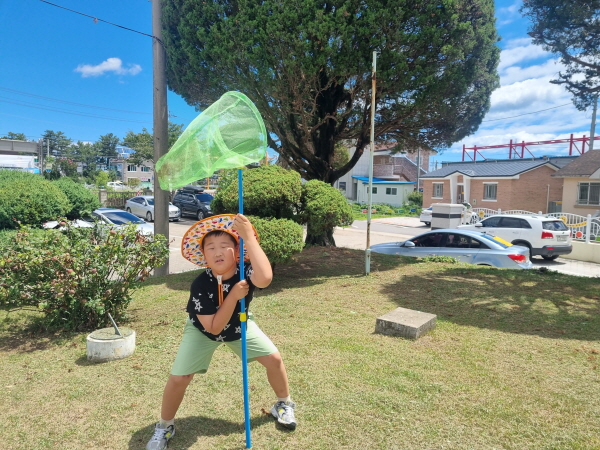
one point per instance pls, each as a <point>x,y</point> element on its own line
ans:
<point>371,156</point>
<point>418,166</point>
<point>593,128</point>
<point>161,124</point>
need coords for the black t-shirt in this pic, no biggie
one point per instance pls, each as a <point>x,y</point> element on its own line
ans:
<point>204,300</point>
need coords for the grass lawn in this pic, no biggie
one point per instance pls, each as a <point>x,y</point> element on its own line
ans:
<point>512,364</point>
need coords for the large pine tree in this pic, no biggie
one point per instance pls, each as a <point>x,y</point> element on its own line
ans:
<point>307,66</point>
<point>570,28</point>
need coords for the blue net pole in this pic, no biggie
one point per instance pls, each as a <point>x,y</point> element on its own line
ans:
<point>243,318</point>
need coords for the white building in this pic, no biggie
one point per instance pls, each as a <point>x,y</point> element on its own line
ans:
<point>19,162</point>
<point>395,176</point>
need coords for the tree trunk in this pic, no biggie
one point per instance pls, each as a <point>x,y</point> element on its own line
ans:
<point>324,240</point>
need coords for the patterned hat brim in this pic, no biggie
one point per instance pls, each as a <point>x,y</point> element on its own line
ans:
<point>191,244</point>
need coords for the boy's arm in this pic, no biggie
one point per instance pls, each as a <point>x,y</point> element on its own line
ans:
<point>215,323</point>
<point>262,274</point>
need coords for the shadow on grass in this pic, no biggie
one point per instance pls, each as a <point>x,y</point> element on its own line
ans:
<point>190,429</point>
<point>315,265</point>
<point>542,303</point>
<point>22,330</point>
<point>307,268</point>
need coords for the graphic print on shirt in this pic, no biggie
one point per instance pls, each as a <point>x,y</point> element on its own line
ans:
<point>204,300</point>
<point>198,306</point>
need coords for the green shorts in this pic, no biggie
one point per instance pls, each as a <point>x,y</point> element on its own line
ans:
<point>196,350</point>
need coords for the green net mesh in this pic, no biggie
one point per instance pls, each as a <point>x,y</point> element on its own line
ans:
<point>229,134</point>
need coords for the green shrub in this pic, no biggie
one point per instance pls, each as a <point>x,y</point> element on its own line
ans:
<point>7,237</point>
<point>77,276</point>
<point>269,191</point>
<point>279,238</point>
<point>323,208</point>
<point>83,200</point>
<point>29,199</point>
<point>416,197</point>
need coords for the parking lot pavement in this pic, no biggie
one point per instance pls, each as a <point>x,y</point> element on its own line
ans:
<point>355,238</point>
<point>178,263</point>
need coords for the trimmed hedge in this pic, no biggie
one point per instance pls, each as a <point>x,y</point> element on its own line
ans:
<point>324,207</point>
<point>279,238</point>
<point>83,200</point>
<point>29,199</point>
<point>269,191</point>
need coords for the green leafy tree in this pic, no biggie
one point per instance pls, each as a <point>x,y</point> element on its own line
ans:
<point>341,155</point>
<point>106,148</point>
<point>84,153</point>
<point>62,167</point>
<point>143,143</point>
<point>56,143</point>
<point>102,178</point>
<point>571,29</point>
<point>307,67</point>
<point>15,136</point>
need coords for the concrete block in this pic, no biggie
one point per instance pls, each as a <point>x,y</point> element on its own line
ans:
<point>405,323</point>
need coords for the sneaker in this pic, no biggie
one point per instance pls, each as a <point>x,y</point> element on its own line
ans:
<point>284,413</point>
<point>161,437</point>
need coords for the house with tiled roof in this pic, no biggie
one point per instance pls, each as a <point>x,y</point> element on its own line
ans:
<point>525,184</point>
<point>581,184</point>
<point>400,169</point>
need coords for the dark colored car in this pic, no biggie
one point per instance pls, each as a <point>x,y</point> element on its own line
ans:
<point>193,203</point>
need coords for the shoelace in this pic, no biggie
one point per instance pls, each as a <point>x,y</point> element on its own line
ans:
<point>159,434</point>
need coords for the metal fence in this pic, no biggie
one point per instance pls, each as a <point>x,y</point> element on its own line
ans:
<point>582,228</point>
<point>117,199</point>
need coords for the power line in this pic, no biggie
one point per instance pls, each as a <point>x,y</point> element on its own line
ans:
<point>69,103</point>
<point>526,114</point>
<point>30,105</point>
<point>96,20</point>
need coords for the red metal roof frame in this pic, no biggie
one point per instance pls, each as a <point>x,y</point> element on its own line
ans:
<point>517,150</point>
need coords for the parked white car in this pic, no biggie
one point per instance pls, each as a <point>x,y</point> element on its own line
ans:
<point>117,218</point>
<point>116,185</point>
<point>143,206</point>
<point>548,237</point>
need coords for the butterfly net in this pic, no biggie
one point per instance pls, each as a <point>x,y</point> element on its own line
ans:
<point>229,134</point>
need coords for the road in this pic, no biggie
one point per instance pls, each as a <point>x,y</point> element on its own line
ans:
<point>382,230</point>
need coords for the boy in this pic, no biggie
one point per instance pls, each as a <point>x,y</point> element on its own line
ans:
<point>213,310</point>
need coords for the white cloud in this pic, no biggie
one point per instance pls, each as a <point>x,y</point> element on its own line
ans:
<point>110,65</point>
<point>508,14</point>
<point>518,51</point>
<point>536,93</point>
<point>549,68</point>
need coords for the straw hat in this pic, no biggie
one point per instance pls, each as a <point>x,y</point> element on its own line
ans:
<point>191,244</point>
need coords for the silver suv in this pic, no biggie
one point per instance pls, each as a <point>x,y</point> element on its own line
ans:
<point>548,237</point>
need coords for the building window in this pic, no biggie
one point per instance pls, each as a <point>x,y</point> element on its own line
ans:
<point>374,190</point>
<point>589,194</point>
<point>490,191</point>
<point>391,191</point>
<point>438,190</point>
<point>131,168</point>
<point>342,185</point>
<point>144,169</point>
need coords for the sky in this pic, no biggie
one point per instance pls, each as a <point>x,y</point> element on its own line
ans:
<point>64,71</point>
